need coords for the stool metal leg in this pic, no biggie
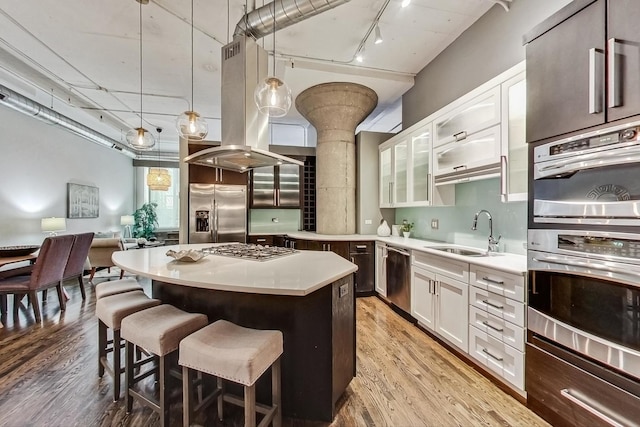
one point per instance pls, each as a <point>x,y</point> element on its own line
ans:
<point>276,393</point>
<point>164,391</point>
<point>220,384</point>
<point>250,406</point>
<point>187,402</point>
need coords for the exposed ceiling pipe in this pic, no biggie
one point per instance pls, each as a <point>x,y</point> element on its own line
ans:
<point>31,108</point>
<point>260,22</point>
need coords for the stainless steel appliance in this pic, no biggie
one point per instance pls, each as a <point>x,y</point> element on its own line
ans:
<point>583,343</point>
<point>590,178</point>
<point>250,251</point>
<point>217,213</point>
<point>399,277</point>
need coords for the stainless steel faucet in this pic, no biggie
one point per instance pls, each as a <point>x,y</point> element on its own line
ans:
<point>493,243</point>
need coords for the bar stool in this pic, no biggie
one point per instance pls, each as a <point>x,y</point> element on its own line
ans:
<point>106,289</point>
<point>241,355</point>
<point>158,330</point>
<point>110,312</point>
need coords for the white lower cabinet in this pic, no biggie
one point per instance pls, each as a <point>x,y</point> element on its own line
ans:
<point>497,322</point>
<point>438,302</point>
<point>499,357</point>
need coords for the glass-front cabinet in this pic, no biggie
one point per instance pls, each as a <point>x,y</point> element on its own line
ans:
<point>513,162</point>
<point>475,151</point>
<point>405,169</point>
<point>475,115</point>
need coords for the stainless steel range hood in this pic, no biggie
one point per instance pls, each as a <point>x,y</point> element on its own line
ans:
<point>245,131</point>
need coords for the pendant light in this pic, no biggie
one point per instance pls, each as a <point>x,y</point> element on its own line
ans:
<point>273,96</point>
<point>158,179</point>
<point>140,138</point>
<point>189,124</point>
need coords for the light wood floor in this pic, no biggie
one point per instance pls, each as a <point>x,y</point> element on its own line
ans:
<point>48,377</point>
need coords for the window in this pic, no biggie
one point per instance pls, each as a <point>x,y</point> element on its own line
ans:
<point>168,208</point>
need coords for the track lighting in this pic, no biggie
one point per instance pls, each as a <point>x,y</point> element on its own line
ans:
<point>405,3</point>
<point>360,55</point>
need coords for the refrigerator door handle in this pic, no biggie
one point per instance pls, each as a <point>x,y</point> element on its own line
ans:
<point>215,221</point>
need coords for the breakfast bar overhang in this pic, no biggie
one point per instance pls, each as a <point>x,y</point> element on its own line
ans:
<point>308,295</point>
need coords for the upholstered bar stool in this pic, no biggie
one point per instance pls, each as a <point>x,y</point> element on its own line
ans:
<point>106,289</point>
<point>110,311</point>
<point>158,330</point>
<point>236,354</point>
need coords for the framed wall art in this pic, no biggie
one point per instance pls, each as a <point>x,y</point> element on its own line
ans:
<point>83,201</point>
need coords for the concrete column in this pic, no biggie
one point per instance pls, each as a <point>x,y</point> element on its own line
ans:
<point>335,110</point>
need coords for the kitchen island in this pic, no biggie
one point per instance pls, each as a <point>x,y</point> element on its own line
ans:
<point>308,295</point>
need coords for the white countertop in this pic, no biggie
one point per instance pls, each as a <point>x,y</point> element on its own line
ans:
<point>511,263</point>
<point>297,275</point>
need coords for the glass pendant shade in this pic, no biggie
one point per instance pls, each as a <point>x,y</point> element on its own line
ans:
<point>273,97</point>
<point>191,125</point>
<point>140,139</point>
<point>158,179</point>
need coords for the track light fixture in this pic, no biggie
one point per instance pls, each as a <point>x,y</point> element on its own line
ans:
<point>405,3</point>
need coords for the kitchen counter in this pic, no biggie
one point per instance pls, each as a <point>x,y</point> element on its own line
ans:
<point>508,262</point>
<point>308,295</point>
<point>279,276</point>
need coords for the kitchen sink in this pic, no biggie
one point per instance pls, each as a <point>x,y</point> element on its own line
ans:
<point>460,251</point>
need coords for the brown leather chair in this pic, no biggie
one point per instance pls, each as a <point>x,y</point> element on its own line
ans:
<point>100,254</point>
<point>45,273</point>
<point>77,258</point>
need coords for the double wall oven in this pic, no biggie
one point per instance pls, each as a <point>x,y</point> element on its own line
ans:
<point>583,352</point>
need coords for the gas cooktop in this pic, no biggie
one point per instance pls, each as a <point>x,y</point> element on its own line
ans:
<point>249,251</point>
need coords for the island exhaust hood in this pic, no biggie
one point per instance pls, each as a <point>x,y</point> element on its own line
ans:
<point>245,131</point>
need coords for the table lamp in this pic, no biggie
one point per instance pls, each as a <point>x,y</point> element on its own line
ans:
<point>53,225</point>
<point>127,221</point>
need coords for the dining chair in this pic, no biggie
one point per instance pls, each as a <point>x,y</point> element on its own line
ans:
<point>46,273</point>
<point>77,258</point>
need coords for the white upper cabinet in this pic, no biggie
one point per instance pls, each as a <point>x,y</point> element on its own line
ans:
<point>475,115</point>
<point>405,170</point>
<point>513,162</point>
<point>469,158</point>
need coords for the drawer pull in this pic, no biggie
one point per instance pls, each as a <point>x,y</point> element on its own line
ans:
<point>487,352</point>
<point>497,282</point>
<point>499,307</point>
<point>489,325</point>
<point>261,240</point>
<point>566,393</point>
<point>361,246</point>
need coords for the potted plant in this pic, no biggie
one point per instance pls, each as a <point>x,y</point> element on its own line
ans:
<point>406,228</point>
<point>146,221</point>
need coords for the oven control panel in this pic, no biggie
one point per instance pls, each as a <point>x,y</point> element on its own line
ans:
<point>619,247</point>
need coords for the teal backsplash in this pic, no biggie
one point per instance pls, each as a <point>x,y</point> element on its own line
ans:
<point>261,220</point>
<point>509,219</point>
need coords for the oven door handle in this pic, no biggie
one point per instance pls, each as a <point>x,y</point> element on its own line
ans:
<point>583,264</point>
<point>566,393</point>
<point>590,161</point>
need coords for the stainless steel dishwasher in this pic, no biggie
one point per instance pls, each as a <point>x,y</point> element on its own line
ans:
<point>399,277</point>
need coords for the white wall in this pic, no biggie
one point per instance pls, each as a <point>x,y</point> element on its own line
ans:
<point>37,161</point>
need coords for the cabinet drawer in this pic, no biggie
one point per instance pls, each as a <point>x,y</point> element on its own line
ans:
<point>498,328</point>
<point>261,240</point>
<point>500,358</point>
<point>565,394</point>
<point>452,268</point>
<point>360,247</point>
<point>498,282</point>
<point>498,305</point>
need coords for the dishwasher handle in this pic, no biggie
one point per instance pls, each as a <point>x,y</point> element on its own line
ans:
<point>400,251</point>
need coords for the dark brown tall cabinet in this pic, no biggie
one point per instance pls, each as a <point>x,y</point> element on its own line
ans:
<point>583,67</point>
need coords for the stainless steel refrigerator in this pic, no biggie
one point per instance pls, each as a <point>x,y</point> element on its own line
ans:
<point>217,213</point>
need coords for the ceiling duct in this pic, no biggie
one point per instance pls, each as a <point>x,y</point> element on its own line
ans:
<point>38,111</point>
<point>245,137</point>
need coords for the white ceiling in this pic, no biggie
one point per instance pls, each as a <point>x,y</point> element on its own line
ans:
<point>81,57</point>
